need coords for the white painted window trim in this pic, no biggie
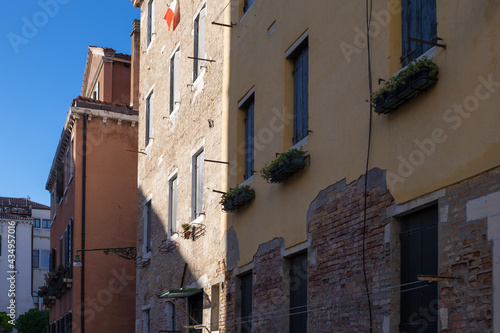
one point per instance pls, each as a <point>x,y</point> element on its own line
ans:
<point>177,104</point>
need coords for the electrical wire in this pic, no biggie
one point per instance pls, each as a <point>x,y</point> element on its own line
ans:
<point>369,6</point>
<point>256,318</point>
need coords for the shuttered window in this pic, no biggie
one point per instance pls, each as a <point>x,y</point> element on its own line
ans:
<point>147,231</point>
<point>246,302</point>
<point>150,21</point>
<point>36,258</point>
<point>419,21</point>
<point>199,41</point>
<point>175,91</point>
<point>419,255</point>
<point>149,119</point>
<point>172,205</point>
<point>298,293</point>
<point>198,184</point>
<point>249,138</point>
<point>301,94</point>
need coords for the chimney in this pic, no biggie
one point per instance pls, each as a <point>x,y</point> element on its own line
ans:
<point>135,60</point>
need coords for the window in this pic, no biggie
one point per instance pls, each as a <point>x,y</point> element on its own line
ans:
<point>172,205</point>
<point>248,107</point>
<point>149,119</point>
<point>300,92</point>
<point>67,247</point>
<point>52,259</point>
<point>59,182</point>
<point>247,4</point>
<point>36,258</point>
<point>61,251</point>
<point>214,308</point>
<point>67,167</point>
<point>45,259</point>
<point>195,309</point>
<point>46,224</point>
<point>419,21</point>
<point>36,223</point>
<point>298,293</point>
<point>146,321</point>
<point>197,197</point>
<point>170,316</point>
<point>246,302</point>
<point>147,226</point>
<point>419,255</point>
<point>95,94</point>
<point>151,26</point>
<point>175,91</point>
<point>199,41</point>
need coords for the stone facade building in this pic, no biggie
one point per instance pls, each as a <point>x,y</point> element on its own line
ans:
<point>181,122</point>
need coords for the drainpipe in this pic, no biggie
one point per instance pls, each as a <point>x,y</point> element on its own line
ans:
<point>84,178</point>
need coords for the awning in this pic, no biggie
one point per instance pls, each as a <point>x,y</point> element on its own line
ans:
<point>182,292</point>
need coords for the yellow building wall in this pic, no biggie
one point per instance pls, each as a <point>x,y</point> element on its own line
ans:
<point>428,143</point>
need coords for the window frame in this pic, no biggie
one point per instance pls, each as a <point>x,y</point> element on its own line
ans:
<point>245,327</point>
<point>46,223</point>
<point>197,184</point>
<point>421,26</point>
<point>199,47</point>
<point>174,98</point>
<point>147,226</point>
<point>172,204</point>
<point>150,30</point>
<point>37,223</point>
<point>246,105</point>
<point>36,259</point>
<point>148,129</point>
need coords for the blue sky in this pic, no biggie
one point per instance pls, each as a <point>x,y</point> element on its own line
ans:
<point>43,49</point>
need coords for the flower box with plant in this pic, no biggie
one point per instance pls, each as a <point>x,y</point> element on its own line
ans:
<point>237,197</point>
<point>187,230</point>
<point>287,164</point>
<point>417,77</point>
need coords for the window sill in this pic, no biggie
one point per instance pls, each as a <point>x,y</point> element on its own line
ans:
<point>198,220</point>
<point>248,181</point>
<point>173,237</point>
<point>301,143</point>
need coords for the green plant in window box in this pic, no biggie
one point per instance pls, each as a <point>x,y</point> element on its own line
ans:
<point>237,197</point>
<point>417,77</point>
<point>187,230</point>
<point>284,166</point>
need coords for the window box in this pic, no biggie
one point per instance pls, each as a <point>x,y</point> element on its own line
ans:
<point>417,77</point>
<point>287,164</point>
<point>237,198</point>
<point>187,230</point>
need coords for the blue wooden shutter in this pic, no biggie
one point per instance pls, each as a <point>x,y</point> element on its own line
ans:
<point>249,140</point>
<point>300,93</point>
<point>418,21</point>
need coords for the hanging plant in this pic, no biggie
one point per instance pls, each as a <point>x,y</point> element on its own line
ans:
<point>417,77</point>
<point>237,197</point>
<point>287,164</point>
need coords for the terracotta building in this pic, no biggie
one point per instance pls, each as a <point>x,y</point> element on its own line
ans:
<point>92,183</point>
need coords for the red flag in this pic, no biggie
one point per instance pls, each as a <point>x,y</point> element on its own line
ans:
<point>171,15</point>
